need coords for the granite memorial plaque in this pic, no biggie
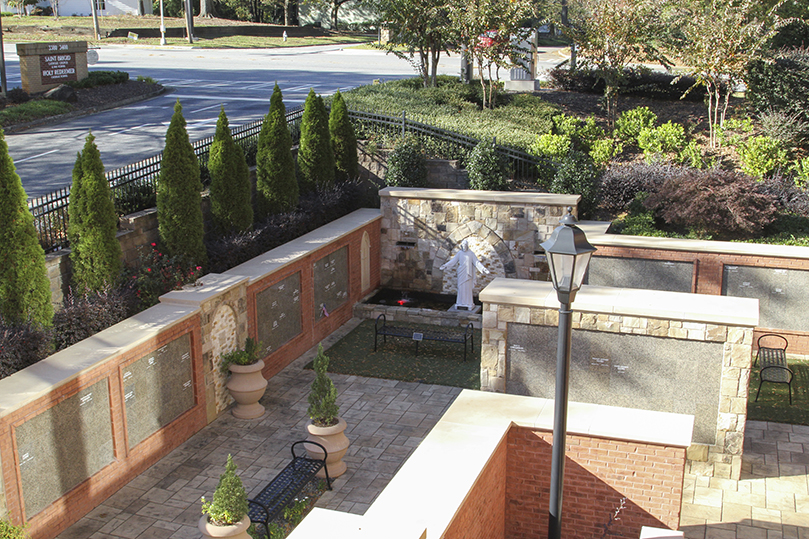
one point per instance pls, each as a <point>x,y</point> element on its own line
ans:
<point>330,282</point>
<point>781,293</point>
<point>64,445</point>
<point>278,313</point>
<point>158,387</point>
<point>614,369</point>
<point>640,273</point>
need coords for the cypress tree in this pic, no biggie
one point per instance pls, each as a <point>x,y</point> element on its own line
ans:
<point>315,156</point>
<point>343,140</point>
<point>95,251</point>
<point>276,185</point>
<point>179,213</point>
<point>230,182</point>
<point>25,293</point>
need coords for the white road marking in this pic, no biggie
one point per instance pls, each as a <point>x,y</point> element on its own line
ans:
<point>34,156</point>
<point>207,108</point>
<point>219,97</point>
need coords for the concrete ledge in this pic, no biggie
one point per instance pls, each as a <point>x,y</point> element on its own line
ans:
<point>469,195</point>
<point>426,493</point>
<point>699,246</point>
<point>32,382</point>
<point>628,301</point>
<point>257,268</point>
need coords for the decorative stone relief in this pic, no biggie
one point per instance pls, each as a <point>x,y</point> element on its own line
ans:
<point>223,340</point>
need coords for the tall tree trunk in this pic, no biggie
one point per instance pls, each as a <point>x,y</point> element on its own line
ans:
<point>434,66</point>
<point>287,12</point>
<point>334,7</point>
<point>206,8</point>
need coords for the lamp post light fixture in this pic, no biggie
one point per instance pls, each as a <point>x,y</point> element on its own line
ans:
<point>568,253</point>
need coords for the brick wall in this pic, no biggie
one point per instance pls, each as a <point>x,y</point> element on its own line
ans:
<point>128,462</point>
<point>708,275</point>
<point>483,514</point>
<point>599,473</point>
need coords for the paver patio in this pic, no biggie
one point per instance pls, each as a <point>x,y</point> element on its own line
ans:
<point>387,420</point>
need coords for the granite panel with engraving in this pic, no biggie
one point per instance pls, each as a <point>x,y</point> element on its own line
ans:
<point>64,445</point>
<point>615,369</point>
<point>278,313</point>
<point>782,299</point>
<point>158,388</point>
<point>640,273</point>
<point>330,282</point>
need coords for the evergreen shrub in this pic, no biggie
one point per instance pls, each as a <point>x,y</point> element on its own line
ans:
<point>487,169</point>
<point>315,154</point>
<point>780,83</point>
<point>25,291</point>
<point>100,78</point>
<point>276,185</point>
<point>93,226</point>
<point>762,155</point>
<point>229,504</point>
<point>630,123</point>
<point>179,210</point>
<point>343,140</point>
<point>230,191</point>
<point>407,164</point>
<point>663,139</point>
<point>323,407</point>
<point>578,175</point>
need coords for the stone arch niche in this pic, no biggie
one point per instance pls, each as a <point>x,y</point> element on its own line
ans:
<point>223,340</point>
<point>490,249</point>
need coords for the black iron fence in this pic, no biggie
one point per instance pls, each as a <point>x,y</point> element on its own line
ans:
<point>134,186</point>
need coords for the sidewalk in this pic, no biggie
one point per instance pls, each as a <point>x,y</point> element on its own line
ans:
<point>387,421</point>
<point>771,501</point>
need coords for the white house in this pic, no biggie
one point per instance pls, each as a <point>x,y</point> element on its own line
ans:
<point>83,7</point>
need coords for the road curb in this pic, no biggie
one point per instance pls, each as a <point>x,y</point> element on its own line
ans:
<point>52,120</point>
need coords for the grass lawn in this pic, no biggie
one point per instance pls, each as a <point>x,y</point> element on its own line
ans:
<point>437,363</point>
<point>109,23</point>
<point>773,403</point>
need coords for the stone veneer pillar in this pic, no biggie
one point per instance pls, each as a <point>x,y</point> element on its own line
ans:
<point>642,312</point>
<point>422,227</point>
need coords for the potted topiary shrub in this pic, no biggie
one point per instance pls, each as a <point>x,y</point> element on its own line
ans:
<point>325,426</point>
<point>226,514</point>
<point>246,383</point>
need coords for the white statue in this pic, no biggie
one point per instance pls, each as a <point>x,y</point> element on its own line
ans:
<point>467,263</point>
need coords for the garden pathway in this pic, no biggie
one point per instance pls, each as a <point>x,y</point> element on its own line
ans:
<point>387,420</point>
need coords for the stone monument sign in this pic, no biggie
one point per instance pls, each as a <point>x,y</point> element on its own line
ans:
<point>46,65</point>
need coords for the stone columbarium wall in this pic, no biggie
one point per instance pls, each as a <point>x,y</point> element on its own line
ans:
<point>663,351</point>
<point>423,228</point>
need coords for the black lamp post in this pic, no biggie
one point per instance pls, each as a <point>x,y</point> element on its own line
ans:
<point>568,253</point>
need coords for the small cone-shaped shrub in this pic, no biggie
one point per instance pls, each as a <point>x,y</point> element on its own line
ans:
<point>276,185</point>
<point>95,252</point>
<point>315,156</point>
<point>322,400</point>
<point>179,213</point>
<point>231,209</point>
<point>343,140</point>
<point>229,504</point>
<point>25,293</point>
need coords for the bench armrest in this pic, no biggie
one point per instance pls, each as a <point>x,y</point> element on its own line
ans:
<point>779,367</point>
<point>325,453</point>
<point>384,320</point>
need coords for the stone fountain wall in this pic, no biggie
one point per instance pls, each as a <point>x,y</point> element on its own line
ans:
<point>423,228</point>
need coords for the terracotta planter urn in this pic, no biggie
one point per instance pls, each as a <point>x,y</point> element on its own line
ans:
<point>247,386</point>
<point>334,440</point>
<point>232,531</point>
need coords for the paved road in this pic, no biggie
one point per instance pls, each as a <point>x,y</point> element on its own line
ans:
<point>241,80</point>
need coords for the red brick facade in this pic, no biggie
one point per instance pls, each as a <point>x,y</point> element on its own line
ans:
<point>314,331</point>
<point>599,473</point>
<point>483,513</point>
<point>128,463</point>
<point>708,271</point>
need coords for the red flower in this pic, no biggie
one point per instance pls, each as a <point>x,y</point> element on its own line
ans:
<point>148,269</point>
<point>154,244</point>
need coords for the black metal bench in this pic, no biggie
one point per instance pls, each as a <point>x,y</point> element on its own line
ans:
<point>285,486</point>
<point>772,355</point>
<point>459,336</point>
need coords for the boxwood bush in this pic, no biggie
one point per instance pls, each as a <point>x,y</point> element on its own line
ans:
<point>780,82</point>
